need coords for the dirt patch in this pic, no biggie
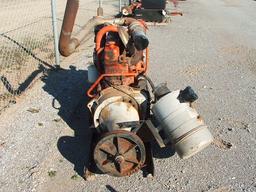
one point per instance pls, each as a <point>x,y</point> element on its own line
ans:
<point>246,56</point>
<point>232,3</point>
<point>193,70</point>
<point>222,144</point>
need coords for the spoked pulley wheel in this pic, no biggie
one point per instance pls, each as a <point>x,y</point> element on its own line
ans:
<point>119,153</point>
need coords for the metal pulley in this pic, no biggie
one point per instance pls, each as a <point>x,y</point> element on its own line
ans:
<point>119,153</point>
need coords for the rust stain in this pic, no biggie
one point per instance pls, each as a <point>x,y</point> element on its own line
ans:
<point>125,157</point>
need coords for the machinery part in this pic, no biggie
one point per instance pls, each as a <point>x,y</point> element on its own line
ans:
<point>175,2</point>
<point>175,13</point>
<point>150,15</point>
<point>101,34</point>
<point>67,43</point>
<point>151,11</point>
<point>181,124</point>
<point>119,153</point>
<point>96,83</point>
<point>147,10</point>
<point>128,10</point>
<point>124,35</point>
<point>119,60</point>
<point>120,5</point>
<point>100,9</point>
<point>187,95</point>
<point>153,4</point>
<point>149,162</point>
<point>131,105</point>
<point>161,90</point>
<point>118,112</point>
<point>155,133</point>
<point>137,30</point>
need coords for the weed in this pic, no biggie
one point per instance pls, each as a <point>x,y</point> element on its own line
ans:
<point>52,173</point>
<point>74,177</point>
<point>33,110</point>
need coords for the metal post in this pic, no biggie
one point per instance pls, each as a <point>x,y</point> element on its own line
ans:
<point>100,9</point>
<point>55,33</point>
<point>120,6</point>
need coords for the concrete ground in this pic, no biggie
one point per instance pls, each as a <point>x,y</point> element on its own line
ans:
<point>45,137</point>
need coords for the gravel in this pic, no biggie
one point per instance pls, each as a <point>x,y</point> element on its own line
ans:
<point>44,138</point>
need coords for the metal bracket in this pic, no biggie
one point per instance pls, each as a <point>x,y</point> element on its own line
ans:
<point>155,133</point>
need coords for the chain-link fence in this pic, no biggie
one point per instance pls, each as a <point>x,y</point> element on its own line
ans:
<point>26,45</point>
<point>27,41</point>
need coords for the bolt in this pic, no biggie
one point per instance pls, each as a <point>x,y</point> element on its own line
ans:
<point>119,159</point>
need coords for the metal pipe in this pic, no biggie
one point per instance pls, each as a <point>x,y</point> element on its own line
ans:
<point>120,6</point>
<point>100,9</point>
<point>67,45</point>
<point>101,33</point>
<point>55,32</point>
<point>89,92</point>
<point>138,32</point>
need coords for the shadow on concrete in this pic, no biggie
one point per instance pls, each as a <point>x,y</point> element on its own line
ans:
<point>162,153</point>
<point>68,87</point>
<point>6,79</point>
<point>24,85</point>
<point>110,188</point>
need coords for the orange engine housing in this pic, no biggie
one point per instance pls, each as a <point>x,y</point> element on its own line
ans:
<point>116,66</point>
<point>113,64</point>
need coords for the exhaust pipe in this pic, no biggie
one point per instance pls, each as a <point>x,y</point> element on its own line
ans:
<point>67,43</point>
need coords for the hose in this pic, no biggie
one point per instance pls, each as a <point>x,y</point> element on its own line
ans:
<point>153,88</point>
<point>149,81</point>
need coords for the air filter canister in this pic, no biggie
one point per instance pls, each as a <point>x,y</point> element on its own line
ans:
<point>181,125</point>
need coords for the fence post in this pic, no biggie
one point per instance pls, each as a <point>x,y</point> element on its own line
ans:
<point>120,6</point>
<point>55,33</point>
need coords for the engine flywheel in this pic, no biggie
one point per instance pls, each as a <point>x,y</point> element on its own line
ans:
<point>119,153</point>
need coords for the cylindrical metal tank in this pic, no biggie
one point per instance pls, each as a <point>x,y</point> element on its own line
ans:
<point>117,112</point>
<point>182,125</point>
<point>116,106</point>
